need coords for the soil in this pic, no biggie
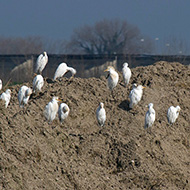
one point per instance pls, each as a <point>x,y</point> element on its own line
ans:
<point>81,155</point>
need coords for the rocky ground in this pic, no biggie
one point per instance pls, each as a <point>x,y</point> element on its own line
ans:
<point>81,155</point>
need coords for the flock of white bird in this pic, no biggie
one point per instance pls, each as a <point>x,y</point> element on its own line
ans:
<point>134,96</point>
<point>52,108</point>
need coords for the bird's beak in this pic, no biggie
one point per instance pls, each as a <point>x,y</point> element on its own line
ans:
<point>143,87</point>
<point>105,70</point>
<point>35,74</point>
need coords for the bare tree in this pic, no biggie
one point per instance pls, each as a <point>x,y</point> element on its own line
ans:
<point>27,45</point>
<point>108,37</point>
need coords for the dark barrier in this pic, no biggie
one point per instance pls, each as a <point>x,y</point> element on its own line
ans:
<point>20,67</point>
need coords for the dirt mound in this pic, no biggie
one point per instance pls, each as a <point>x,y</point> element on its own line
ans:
<point>81,155</point>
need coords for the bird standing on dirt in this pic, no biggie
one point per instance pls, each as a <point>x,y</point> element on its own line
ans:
<point>62,69</point>
<point>126,73</point>
<point>172,114</point>
<point>51,109</point>
<point>41,62</point>
<point>101,114</point>
<point>112,78</point>
<point>135,95</point>
<point>38,83</point>
<point>1,84</point>
<point>63,112</point>
<point>150,116</point>
<point>24,95</point>
<point>6,96</point>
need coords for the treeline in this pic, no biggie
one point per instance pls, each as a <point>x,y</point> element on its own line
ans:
<point>105,37</point>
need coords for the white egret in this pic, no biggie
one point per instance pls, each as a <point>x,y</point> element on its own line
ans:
<point>150,116</point>
<point>51,109</point>
<point>63,112</point>
<point>6,96</point>
<point>24,95</point>
<point>1,84</point>
<point>112,77</point>
<point>41,62</point>
<point>38,83</point>
<point>135,95</point>
<point>62,69</point>
<point>172,114</point>
<point>101,114</point>
<point>126,73</point>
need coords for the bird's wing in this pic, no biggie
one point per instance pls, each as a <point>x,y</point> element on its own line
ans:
<point>20,95</point>
<point>3,96</point>
<point>35,82</point>
<point>39,58</point>
<point>131,94</point>
<point>60,71</point>
<point>39,82</point>
<point>38,62</point>
<point>47,110</point>
<point>170,114</point>
<point>147,119</point>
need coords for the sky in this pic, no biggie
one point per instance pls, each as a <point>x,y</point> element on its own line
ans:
<point>56,19</point>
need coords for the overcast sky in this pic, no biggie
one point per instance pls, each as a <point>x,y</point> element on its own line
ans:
<point>56,19</point>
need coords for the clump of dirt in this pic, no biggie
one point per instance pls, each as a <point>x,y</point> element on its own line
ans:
<point>79,154</point>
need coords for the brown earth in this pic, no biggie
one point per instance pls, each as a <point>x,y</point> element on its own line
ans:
<point>81,155</point>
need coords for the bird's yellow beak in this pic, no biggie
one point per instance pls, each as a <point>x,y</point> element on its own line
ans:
<point>105,70</point>
<point>35,74</point>
<point>143,87</point>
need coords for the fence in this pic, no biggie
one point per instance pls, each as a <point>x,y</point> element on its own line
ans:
<point>20,67</point>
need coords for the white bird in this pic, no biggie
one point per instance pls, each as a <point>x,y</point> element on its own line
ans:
<point>126,73</point>
<point>24,95</point>
<point>172,114</point>
<point>6,96</point>
<point>63,112</point>
<point>41,62</point>
<point>38,83</point>
<point>112,77</point>
<point>51,109</point>
<point>101,114</point>
<point>1,84</point>
<point>62,69</point>
<point>150,116</point>
<point>135,95</point>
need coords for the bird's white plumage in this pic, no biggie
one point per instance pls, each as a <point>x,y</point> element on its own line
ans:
<point>41,62</point>
<point>113,78</point>
<point>126,73</point>
<point>24,95</point>
<point>173,113</point>
<point>101,114</point>
<point>38,83</point>
<point>135,95</point>
<point>63,112</point>
<point>62,69</point>
<point>150,116</point>
<point>51,109</point>
<point>1,84</point>
<point>6,96</point>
